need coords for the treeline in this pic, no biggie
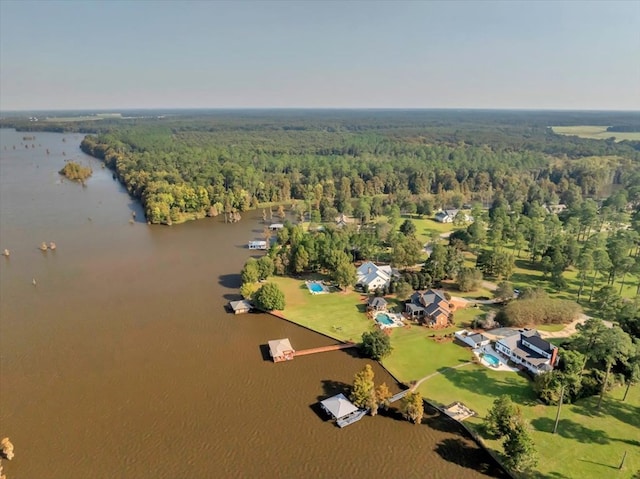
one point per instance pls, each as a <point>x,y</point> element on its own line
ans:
<point>181,169</point>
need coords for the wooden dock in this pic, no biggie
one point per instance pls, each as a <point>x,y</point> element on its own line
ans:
<point>324,349</point>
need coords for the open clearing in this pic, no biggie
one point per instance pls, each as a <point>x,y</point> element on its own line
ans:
<point>595,132</point>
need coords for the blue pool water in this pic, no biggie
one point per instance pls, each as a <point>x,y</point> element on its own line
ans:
<point>383,318</point>
<point>491,359</point>
<point>315,287</point>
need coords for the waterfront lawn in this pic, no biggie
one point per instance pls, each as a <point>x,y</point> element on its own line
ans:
<point>338,315</point>
<point>416,354</point>
<point>588,444</point>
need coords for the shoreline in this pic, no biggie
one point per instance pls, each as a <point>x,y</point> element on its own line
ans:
<point>469,432</point>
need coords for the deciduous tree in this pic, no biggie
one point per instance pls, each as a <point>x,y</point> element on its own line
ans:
<point>376,344</point>
<point>412,407</point>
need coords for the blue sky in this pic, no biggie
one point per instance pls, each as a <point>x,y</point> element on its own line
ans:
<point>475,54</point>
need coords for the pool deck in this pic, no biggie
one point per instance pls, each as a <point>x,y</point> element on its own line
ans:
<point>394,317</point>
<point>489,350</point>
<point>323,288</point>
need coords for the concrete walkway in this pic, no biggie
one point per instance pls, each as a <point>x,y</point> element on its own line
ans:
<point>420,381</point>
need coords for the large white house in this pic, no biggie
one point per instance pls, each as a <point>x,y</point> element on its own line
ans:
<point>372,276</point>
<point>528,349</point>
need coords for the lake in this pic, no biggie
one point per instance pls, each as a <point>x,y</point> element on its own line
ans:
<point>121,361</point>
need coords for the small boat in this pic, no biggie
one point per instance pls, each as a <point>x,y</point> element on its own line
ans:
<point>52,246</point>
<point>6,253</point>
<point>43,246</point>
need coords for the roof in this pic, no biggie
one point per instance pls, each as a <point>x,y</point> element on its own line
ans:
<point>278,347</point>
<point>540,343</point>
<point>338,406</point>
<point>414,307</point>
<point>377,302</point>
<point>478,338</point>
<point>514,343</point>
<point>240,305</point>
<point>368,272</point>
<point>433,296</point>
<point>344,219</point>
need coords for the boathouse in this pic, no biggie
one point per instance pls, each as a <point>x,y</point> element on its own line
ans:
<point>257,245</point>
<point>281,350</point>
<point>342,410</point>
<point>240,307</point>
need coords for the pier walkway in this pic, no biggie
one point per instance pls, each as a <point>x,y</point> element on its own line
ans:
<point>399,396</point>
<point>323,349</point>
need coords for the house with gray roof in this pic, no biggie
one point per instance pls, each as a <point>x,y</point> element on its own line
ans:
<point>377,303</point>
<point>529,350</point>
<point>372,276</point>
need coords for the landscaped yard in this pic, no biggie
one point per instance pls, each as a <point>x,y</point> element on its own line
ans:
<point>339,315</point>
<point>587,445</point>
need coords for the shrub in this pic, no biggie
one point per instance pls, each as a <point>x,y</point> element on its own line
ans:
<point>539,311</point>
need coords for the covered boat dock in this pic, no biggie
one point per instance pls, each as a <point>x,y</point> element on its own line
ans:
<point>342,410</point>
<point>281,350</point>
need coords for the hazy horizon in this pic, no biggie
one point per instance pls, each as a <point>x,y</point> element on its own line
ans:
<point>121,56</point>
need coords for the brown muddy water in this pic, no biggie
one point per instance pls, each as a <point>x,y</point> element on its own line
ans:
<point>122,362</point>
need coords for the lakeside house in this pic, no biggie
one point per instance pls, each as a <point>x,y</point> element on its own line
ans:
<point>372,277</point>
<point>377,304</point>
<point>281,350</point>
<point>447,216</point>
<point>430,307</point>
<point>529,350</point>
<point>343,220</point>
<point>240,307</point>
<point>258,244</point>
<point>475,340</point>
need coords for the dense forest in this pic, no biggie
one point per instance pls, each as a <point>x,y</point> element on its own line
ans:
<point>185,165</point>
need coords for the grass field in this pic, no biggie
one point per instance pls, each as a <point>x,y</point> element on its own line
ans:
<point>595,132</point>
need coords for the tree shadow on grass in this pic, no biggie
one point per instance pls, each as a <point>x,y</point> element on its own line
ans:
<point>466,453</point>
<point>479,382</point>
<point>362,308</point>
<point>623,412</point>
<point>546,475</point>
<point>572,430</point>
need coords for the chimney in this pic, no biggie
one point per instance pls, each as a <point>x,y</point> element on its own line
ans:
<point>554,357</point>
<point>369,270</point>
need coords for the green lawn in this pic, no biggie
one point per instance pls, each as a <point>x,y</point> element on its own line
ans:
<point>588,444</point>
<point>337,314</point>
<point>426,228</point>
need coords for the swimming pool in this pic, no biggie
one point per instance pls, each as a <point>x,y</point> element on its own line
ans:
<point>492,360</point>
<point>383,318</point>
<point>316,288</point>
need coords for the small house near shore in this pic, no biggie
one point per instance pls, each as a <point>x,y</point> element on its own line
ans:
<point>240,307</point>
<point>258,245</point>
<point>281,350</point>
